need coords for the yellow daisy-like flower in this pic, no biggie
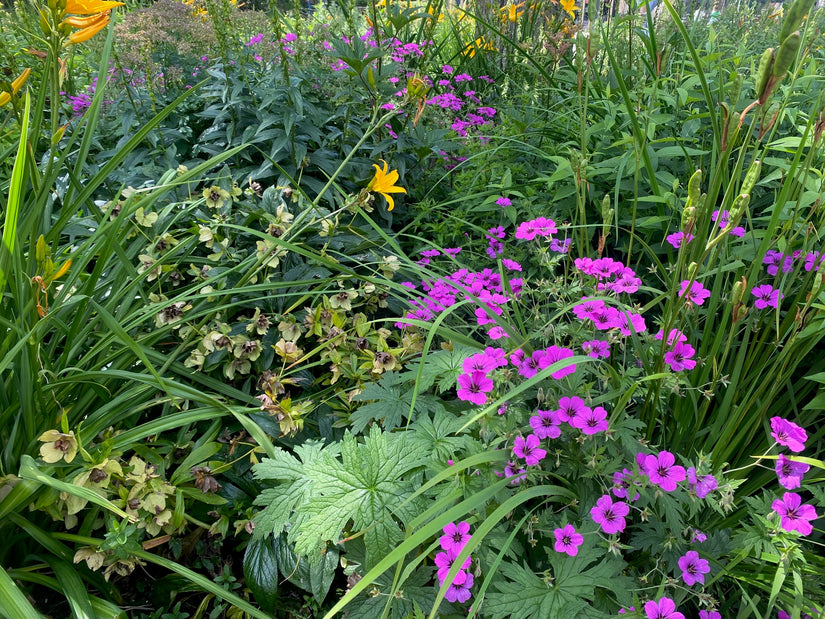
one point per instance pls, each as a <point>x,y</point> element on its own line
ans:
<point>384,183</point>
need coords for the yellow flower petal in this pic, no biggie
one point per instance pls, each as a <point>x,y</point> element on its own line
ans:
<point>88,33</point>
<point>384,183</point>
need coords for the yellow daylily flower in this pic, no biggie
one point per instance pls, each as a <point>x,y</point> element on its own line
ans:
<point>512,12</point>
<point>384,183</point>
<point>569,6</point>
<point>16,85</point>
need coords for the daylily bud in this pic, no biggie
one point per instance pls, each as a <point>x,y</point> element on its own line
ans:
<point>762,74</point>
<point>691,272</point>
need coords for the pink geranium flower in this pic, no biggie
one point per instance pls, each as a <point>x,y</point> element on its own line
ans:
<point>663,471</point>
<point>696,294</point>
<point>567,540</point>
<point>794,515</point>
<point>790,473</point>
<point>591,421</point>
<point>610,515</point>
<point>693,568</point>
<point>454,538</point>
<point>459,590</point>
<point>528,448</point>
<point>662,609</point>
<point>788,434</point>
<point>546,424</point>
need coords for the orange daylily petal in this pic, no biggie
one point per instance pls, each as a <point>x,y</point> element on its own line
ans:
<point>85,22</point>
<point>88,33</point>
<point>89,7</point>
<point>16,85</point>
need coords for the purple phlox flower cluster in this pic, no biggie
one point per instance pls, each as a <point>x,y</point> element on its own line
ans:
<point>528,448</point>
<point>452,543</point>
<point>664,608</point>
<point>494,245</point>
<point>560,247</point>
<point>695,292</point>
<point>622,484</point>
<point>568,540</point>
<point>776,260</point>
<point>766,296</point>
<point>701,485</point>
<point>794,515</point>
<point>790,472</point>
<point>541,226</point>
<point>693,568</point>
<point>596,348</point>
<point>813,260</point>
<point>502,202</point>
<point>254,40</point>
<point>542,359</point>
<point>609,515</point>
<point>722,218</point>
<point>677,239</point>
<point>662,470</point>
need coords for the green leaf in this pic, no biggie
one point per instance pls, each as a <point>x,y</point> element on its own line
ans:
<point>260,570</point>
<point>366,487</point>
<point>12,601</point>
<point>436,436</point>
<point>390,403</point>
<point>568,591</point>
<point>314,575</point>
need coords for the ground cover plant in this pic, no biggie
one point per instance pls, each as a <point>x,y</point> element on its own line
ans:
<point>409,309</point>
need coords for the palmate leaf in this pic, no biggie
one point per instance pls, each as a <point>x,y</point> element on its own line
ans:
<point>281,502</point>
<point>569,592</point>
<point>366,487</point>
<point>392,403</point>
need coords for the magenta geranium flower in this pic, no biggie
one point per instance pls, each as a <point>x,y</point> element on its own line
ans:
<point>590,421</point>
<point>459,590</point>
<point>709,614</point>
<point>596,348</point>
<point>610,515</point>
<point>607,318</point>
<point>569,407</point>
<point>630,323</point>
<point>790,473</point>
<point>766,296</point>
<point>518,474</point>
<point>474,387</point>
<point>677,239</point>
<point>788,434</point>
<point>546,424</point>
<point>795,516</point>
<point>454,538</point>
<point>680,357</point>
<point>674,336</point>
<point>528,448</point>
<point>662,609</point>
<point>663,471</point>
<point>444,562</point>
<point>479,362</point>
<point>693,568</point>
<point>696,294</point>
<point>567,540</point>
<point>588,308</point>
<point>551,355</point>
<point>702,485</point>
<point>621,485</point>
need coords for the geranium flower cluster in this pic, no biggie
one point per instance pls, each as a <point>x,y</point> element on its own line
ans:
<point>452,543</point>
<point>794,515</point>
<point>610,274</point>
